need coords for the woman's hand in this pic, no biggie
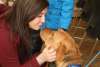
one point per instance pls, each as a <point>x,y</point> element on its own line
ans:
<point>47,55</point>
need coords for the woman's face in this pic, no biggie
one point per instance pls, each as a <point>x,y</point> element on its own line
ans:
<point>38,21</point>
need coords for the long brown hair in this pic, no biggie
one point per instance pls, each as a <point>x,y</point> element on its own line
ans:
<point>18,17</point>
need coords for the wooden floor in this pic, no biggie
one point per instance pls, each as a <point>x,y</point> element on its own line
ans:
<point>88,45</point>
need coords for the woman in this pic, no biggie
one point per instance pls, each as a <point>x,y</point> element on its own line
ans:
<point>20,41</point>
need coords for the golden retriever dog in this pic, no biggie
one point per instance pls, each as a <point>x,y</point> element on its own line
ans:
<point>66,48</point>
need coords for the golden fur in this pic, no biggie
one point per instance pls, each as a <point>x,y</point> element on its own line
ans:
<point>67,50</point>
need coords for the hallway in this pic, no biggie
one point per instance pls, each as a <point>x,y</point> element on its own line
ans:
<point>88,45</point>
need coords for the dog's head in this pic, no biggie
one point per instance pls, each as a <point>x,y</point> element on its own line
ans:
<point>67,49</point>
<point>52,37</point>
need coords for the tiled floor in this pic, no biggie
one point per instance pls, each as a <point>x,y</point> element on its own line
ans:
<point>88,46</point>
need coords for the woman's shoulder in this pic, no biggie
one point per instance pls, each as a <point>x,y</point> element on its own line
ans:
<point>3,25</point>
<point>3,9</point>
<point>6,35</point>
<point>4,30</point>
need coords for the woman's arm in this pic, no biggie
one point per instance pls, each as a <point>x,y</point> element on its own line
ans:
<point>47,55</point>
<point>9,56</point>
<point>8,51</point>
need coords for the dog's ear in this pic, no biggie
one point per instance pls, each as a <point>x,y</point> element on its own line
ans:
<point>72,53</point>
<point>70,44</point>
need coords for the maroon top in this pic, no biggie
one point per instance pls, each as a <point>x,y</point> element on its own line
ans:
<point>8,49</point>
<point>3,8</point>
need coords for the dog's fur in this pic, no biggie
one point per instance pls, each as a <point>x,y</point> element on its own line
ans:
<point>67,50</point>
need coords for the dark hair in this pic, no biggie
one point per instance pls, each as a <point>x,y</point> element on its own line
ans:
<point>18,17</point>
